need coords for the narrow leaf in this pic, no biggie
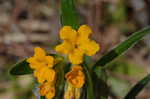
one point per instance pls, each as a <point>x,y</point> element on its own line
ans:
<point>69,15</point>
<point>21,68</point>
<point>89,84</point>
<point>138,88</point>
<point>101,89</point>
<point>122,47</point>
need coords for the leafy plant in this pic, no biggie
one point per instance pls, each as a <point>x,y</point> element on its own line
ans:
<point>96,77</point>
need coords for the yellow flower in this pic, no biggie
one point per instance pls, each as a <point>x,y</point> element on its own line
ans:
<point>45,74</point>
<point>48,90</point>
<point>42,65</point>
<point>76,76</point>
<point>40,59</point>
<point>77,43</point>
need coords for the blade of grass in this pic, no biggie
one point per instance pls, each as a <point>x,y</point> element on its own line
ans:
<point>68,13</point>
<point>21,68</point>
<point>122,47</point>
<point>138,88</point>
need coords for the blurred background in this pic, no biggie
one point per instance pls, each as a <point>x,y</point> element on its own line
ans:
<point>25,24</point>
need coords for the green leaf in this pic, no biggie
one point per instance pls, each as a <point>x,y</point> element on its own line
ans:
<point>42,97</point>
<point>69,15</point>
<point>21,68</point>
<point>89,84</point>
<point>101,89</point>
<point>121,48</point>
<point>137,88</point>
<point>60,80</point>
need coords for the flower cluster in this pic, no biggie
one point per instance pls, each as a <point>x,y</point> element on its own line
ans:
<point>77,43</point>
<point>42,65</point>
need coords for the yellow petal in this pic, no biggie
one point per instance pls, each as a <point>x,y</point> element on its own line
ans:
<point>34,63</point>
<point>50,75</point>
<point>81,81</point>
<point>84,31</point>
<point>76,57</point>
<point>50,61</point>
<point>90,47</point>
<point>64,48</point>
<point>41,74</point>
<point>35,73</point>
<point>35,66</point>
<point>68,33</point>
<point>76,77</point>
<point>51,93</point>
<point>44,89</point>
<point>31,60</point>
<point>39,53</point>
<point>47,88</point>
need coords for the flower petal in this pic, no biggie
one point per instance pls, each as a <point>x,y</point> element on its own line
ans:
<point>84,31</point>
<point>47,88</point>
<point>33,63</point>
<point>41,74</point>
<point>50,61</point>
<point>68,33</point>
<point>90,47</point>
<point>76,77</point>
<point>39,53</point>
<point>76,57</point>
<point>64,48</point>
<point>49,75</point>
<point>51,93</point>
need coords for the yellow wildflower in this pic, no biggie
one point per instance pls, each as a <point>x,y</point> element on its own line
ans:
<point>48,90</point>
<point>76,76</point>
<point>77,43</point>
<point>40,59</point>
<point>42,65</point>
<point>45,74</point>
